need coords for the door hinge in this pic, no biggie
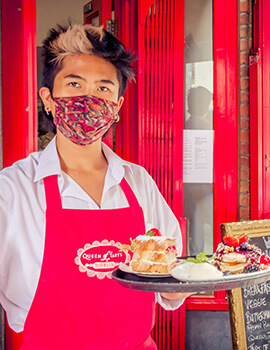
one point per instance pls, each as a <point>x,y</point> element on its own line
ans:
<point>267,166</point>
<point>112,27</point>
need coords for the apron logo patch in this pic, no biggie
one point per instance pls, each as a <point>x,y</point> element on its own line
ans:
<point>101,258</point>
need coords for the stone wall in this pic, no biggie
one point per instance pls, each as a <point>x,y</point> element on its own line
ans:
<point>245,43</point>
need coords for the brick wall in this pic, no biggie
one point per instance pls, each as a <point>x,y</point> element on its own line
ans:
<point>245,19</point>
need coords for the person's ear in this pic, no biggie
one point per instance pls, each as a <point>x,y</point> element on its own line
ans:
<point>120,102</point>
<point>46,98</point>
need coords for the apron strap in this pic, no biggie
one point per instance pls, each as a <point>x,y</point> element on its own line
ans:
<point>131,198</point>
<point>52,193</point>
<point>53,198</point>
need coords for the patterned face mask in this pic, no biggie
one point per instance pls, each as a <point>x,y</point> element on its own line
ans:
<point>84,119</point>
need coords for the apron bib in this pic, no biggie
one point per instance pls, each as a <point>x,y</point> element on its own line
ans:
<point>77,305</point>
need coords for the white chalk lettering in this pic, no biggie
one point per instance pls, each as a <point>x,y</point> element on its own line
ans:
<point>252,337</point>
<point>253,303</point>
<point>257,316</point>
<point>251,291</point>
<point>253,327</point>
<point>265,324</point>
<point>253,346</point>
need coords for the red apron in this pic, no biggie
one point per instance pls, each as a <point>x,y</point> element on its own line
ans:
<point>77,305</point>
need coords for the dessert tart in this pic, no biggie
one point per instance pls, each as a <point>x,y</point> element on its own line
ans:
<point>152,253</point>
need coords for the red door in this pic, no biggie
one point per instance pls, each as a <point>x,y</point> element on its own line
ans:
<point>260,113</point>
<point>150,131</point>
<point>19,95</point>
<point>156,118</point>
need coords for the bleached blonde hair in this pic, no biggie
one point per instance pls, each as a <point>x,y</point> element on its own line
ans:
<point>77,39</point>
<point>74,41</point>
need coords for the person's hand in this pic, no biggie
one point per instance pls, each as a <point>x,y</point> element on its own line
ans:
<point>175,296</point>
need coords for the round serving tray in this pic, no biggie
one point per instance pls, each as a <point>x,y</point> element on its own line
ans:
<point>171,285</point>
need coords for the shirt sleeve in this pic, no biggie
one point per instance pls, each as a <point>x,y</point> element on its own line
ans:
<point>167,304</point>
<point>159,215</point>
<point>4,215</point>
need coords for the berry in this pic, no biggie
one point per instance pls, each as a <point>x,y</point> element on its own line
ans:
<point>153,232</point>
<point>231,241</point>
<point>244,245</point>
<point>227,273</point>
<point>252,268</point>
<point>243,238</point>
<point>265,259</point>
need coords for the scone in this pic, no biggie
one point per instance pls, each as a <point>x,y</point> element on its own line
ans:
<point>153,254</point>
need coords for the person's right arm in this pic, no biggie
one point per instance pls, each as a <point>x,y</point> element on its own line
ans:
<point>4,215</point>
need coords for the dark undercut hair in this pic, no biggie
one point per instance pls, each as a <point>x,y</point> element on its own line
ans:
<point>64,41</point>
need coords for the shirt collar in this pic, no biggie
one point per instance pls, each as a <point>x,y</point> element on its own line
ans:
<point>49,163</point>
<point>117,165</point>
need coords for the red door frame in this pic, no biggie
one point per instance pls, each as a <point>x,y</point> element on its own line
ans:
<point>19,121</point>
<point>259,68</point>
<point>256,116</point>
<point>226,81</point>
<point>19,86</point>
<point>19,91</point>
<point>126,136</point>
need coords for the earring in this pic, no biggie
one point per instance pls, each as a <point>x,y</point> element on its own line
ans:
<point>47,109</point>
<point>116,118</point>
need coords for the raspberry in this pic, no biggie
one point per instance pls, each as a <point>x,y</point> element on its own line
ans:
<point>265,259</point>
<point>252,268</point>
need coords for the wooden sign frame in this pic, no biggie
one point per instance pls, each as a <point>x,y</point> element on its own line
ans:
<point>254,228</point>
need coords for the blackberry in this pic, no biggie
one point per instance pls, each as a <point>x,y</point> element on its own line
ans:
<point>252,268</point>
<point>227,273</point>
<point>244,245</point>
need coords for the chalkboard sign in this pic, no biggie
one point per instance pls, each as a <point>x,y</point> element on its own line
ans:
<point>249,307</point>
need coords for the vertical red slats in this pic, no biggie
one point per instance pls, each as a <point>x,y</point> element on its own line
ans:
<point>159,118</point>
<point>165,121</point>
<point>170,106</point>
<point>163,87</point>
<point>158,110</point>
<point>152,82</point>
<point>155,58</point>
<point>178,108</point>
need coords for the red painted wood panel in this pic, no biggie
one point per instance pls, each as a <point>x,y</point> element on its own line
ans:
<point>260,112</point>
<point>226,47</point>
<point>160,111</point>
<point>19,106</point>
<point>265,42</point>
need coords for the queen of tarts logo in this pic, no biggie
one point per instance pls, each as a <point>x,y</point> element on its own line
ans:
<point>101,258</point>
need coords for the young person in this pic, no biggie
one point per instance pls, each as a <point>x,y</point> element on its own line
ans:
<point>65,211</point>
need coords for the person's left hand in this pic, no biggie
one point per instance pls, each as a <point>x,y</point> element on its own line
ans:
<point>175,296</point>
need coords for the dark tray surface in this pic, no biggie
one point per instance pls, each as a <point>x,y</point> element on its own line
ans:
<point>171,285</point>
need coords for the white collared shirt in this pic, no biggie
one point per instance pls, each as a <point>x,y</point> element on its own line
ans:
<point>22,219</point>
